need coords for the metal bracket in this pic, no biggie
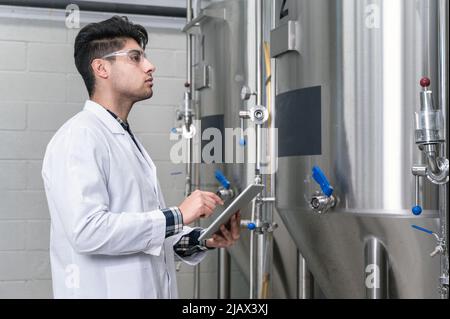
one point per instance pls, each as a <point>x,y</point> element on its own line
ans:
<point>202,77</point>
<point>257,114</point>
<point>284,39</point>
<point>194,26</point>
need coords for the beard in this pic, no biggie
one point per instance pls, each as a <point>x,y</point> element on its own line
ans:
<point>144,94</point>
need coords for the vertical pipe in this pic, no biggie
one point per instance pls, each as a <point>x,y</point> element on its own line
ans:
<point>189,47</point>
<point>188,121</point>
<point>252,256</point>
<point>254,238</point>
<point>259,75</point>
<point>305,279</point>
<point>443,216</point>
<point>260,243</point>
<point>417,189</point>
<point>224,274</point>
<point>260,252</point>
<point>259,29</point>
<point>376,270</point>
<point>443,102</point>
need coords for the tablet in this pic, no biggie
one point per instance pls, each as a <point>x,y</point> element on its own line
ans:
<point>244,198</point>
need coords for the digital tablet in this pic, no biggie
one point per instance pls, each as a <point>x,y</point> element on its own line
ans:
<point>244,198</point>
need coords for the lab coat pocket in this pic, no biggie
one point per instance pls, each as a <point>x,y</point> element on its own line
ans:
<point>130,281</point>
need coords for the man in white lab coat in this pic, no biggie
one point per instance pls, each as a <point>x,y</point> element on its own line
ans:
<point>112,235</point>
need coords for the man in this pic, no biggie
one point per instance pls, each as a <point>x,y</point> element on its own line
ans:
<point>111,234</point>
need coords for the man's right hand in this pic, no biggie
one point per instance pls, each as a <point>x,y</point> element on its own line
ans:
<point>199,205</point>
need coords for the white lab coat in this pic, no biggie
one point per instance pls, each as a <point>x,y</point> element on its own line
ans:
<point>107,233</point>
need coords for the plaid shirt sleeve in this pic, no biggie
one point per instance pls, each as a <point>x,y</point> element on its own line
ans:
<point>189,244</point>
<point>174,221</point>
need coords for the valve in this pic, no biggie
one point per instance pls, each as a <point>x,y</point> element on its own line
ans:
<point>429,136</point>
<point>185,114</point>
<point>440,247</point>
<point>248,224</point>
<point>322,180</point>
<point>225,192</point>
<point>321,202</point>
<point>222,179</point>
<point>263,228</point>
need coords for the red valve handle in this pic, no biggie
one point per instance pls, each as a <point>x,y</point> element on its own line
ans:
<point>425,82</point>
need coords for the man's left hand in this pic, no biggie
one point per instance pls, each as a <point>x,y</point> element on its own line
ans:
<point>226,237</point>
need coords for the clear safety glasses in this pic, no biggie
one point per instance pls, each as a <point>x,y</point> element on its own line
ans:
<point>135,56</point>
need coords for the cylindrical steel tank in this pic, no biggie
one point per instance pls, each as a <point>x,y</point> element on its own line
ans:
<point>347,86</point>
<point>225,62</point>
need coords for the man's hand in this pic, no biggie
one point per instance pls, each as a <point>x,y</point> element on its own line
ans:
<point>226,237</point>
<point>199,205</point>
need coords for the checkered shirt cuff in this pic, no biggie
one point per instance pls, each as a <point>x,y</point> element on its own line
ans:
<point>189,244</point>
<point>174,221</point>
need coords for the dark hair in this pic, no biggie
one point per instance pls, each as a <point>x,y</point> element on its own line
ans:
<point>98,39</point>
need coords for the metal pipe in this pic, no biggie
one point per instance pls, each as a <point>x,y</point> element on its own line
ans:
<point>444,262</point>
<point>263,212</point>
<point>431,155</point>
<point>443,102</point>
<point>260,251</point>
<point>95,6</point>
<point>258,150</point>
<point>259,44</point>
<point>187,122</point>
<point>252,256</point>
<point>259,80</point>
<point>376,270</point>
<point>417,190</point>
<point>224,274</point>
<point>189,48</point>
<point>305,279</point>
<point>258,243</point>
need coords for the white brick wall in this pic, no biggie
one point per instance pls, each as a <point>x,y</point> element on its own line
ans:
<point>13,115</point>
<point>39,90</point>
<point>17,50</point>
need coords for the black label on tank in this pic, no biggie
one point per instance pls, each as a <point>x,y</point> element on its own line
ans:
<point>299,122</point>
<point>216,122</point>
<point>284,12</point>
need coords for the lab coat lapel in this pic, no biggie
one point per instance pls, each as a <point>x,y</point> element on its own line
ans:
<point>114,126</point>
<point>153,176</point>
<point>102,114</point>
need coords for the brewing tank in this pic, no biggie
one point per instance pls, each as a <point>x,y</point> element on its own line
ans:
<point>225,63</point>
<point>347,86</point>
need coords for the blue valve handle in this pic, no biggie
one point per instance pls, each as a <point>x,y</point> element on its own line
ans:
<point>422,229</point>
<point>222,179</point>
<point>322,180</point>
<point>251,226</point>
<point>417,210</point>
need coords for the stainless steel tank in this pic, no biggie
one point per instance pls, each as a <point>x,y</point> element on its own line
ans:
<point>347,74</point>
<point>225,62</point>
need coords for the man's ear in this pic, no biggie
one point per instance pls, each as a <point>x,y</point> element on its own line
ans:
<point>100,68</point>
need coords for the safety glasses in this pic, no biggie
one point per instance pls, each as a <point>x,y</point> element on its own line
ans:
<point>134,55</point>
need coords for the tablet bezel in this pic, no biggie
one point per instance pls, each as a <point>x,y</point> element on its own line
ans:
<point>243,199</point>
